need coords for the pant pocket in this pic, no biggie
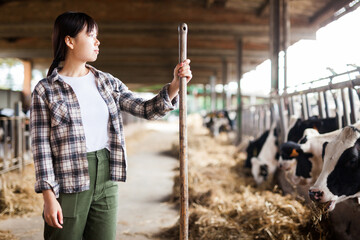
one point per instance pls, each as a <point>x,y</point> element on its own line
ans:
<point>111,194</point>
<point>68,203</point>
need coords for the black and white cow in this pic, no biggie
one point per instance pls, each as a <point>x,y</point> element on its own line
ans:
<point>219,121</point>
<point>322,125</point>
<point>255,147</point>
<point>265,164</point>
<point>296,133</point>
<point>340,176</point>
<point>305,157</point>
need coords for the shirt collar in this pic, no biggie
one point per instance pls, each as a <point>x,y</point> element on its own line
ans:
<point>55,76</point>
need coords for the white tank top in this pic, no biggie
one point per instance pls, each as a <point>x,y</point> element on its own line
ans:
<point>94,111</point>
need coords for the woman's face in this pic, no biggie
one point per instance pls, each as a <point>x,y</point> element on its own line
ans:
<point>86,46</point>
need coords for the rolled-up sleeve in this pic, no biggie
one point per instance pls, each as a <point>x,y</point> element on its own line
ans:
<point>40,143</point>
<point>154,108</point>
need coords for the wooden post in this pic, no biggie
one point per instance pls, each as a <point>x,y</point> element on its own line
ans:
<point>184,194</point>
<point>239,97</point>
<point>204,97</point>
<point>224,82</point>
<point>286,36</point>
<point>213,93</point>
<point>274,44</point>
<point>26,92</point>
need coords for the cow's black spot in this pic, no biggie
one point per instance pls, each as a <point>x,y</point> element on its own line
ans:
<point>323,150</point>
<point>295,132</point>
<point>277,156</point>
<point>303,140</point>
<point>303,164</point>
<point>345,178</point>
<point>276,132</point>
<point>255,147</point>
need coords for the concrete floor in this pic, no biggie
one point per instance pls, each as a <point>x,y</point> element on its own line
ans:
<point>142,209</point>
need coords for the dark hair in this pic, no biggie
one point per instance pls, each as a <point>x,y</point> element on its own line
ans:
<point>68,24</point>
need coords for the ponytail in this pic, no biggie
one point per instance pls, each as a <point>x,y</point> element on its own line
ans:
<point>53,65</point>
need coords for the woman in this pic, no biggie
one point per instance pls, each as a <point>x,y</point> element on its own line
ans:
<point>77,133</point>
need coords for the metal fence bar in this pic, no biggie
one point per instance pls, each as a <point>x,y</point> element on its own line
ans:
<point>350,83</point>
<point>353,112</point>
<point>15,143</point>
<point>348,109</point>
<point>345,109</point>
<point>320,105</point>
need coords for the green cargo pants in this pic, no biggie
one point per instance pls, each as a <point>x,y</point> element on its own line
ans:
<point>92,214</point>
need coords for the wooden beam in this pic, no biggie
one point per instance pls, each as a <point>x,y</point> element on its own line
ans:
<point>114,53</point>
<point>261,10</point>
<point>325,15</point>
<point>209,3</point>
<point>120,29</point>
<point>126,11</point>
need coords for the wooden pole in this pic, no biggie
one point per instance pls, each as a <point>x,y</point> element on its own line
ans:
<point>224,82</point>
<point>239,64</point>
<point>286,37</point>
<point>274,44</point>
<point>212,93</point>
<point>184,194</point>
<point>26,92</point>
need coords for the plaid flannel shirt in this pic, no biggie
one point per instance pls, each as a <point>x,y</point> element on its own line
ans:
<point>57,134</point>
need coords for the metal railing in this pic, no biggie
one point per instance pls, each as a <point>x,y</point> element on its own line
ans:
<point>15,144</point>
<point>340,99</point>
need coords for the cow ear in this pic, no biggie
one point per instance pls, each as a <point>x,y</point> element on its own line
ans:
<point>323,150</point>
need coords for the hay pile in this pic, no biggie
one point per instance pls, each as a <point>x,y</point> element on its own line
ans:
<point>17,195</point>
<point>6,235</point>
<point>226,204</point>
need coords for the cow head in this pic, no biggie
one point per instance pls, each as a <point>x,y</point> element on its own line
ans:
<point>265,164</point>
<point>340,176</point>
<point>262,170</point>
<point>288,152</point>
<point>254,148</point>
<point>293,157</point>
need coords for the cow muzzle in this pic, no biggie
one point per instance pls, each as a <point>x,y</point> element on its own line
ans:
<point>315,195</point>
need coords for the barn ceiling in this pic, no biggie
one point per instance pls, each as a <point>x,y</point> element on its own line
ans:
<point>139,39</point>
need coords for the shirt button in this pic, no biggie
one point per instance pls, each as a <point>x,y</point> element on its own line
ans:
<point>82,138</point>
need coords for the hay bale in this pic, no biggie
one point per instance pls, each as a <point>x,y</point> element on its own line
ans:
<point>6,235</point>
<point>17,195</point>
<point>226,204</point>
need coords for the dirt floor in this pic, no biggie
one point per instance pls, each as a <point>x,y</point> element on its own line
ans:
<point>143,207</point>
